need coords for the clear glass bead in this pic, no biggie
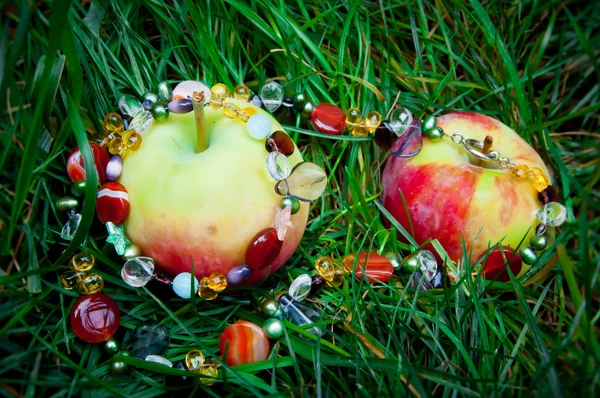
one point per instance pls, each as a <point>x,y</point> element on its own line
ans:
<point>141,121</point>
<point>306,182</point>
<point>400,120</point>
<point>300,287</point>
<point>299,314</point>
<point>427,264</point>
<point>150,339</point>
<point>271,95</point>
<point>278,166</point>
<point>138,271</point>
<point>70,227</point>
<point>552,214</point>
<point>164,91</point>
<point>160,360</point>
<point>129,105</point>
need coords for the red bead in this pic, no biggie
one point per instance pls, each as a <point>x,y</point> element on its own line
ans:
<point>494,267</point>
<point>263,249</point>
<point>76,169</point>
<point>244,342</point>
<point>377,268</point>
<point>112,203</point>
<point>281,142</point>
<point>328,119</point>
<point>95,318</point>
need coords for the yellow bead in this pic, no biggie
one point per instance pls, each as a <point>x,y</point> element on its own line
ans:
<point>194,360</point>
<point>115,146</point>
<point>91,284</point>
<point>245,113</point>
<point>132,140</point>
<point>83,261</point>
<point>217,282</point>
<point>338,277</point>
<point>204,291</point>
<point>218,93</point>
<point>211,373</point>
<point>325,268</point>
<point>520,171</point>
<point>540,182</point>
<point>373,120</point>
<point>113,123</point>
<point>231,111</point>
<point>353,116</point>
<point>361,129</point>
<point>241,91</point>
<point>71,278</point>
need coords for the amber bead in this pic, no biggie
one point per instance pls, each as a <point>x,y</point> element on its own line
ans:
<point>71,278</point>
<point>194,360</point>
<point>113,123</point>
<point>95,318</point>
<point>83,261</point>
<point>521,171</point>
<point>548,195</point>
<point>132,140</point>
<point>361,129</point>
<point>338,277</point>
<point>241,91</point>
<point>217,282</point>
<point>115,146</point>
<point>325,268</point>
<point>231,110</point>
<point>377,268</point>
<point>353,116</point>
<point>328,119</point>
<point>218,93</point>
<point>494,266</point>
<point>263,249</point>
<point>246,113</point>
<point>281,142</point>
<point>93,283</point>
<point>385,136</point>
<point>540,182</point>
<point>373,120</point>
<point>205,291</point>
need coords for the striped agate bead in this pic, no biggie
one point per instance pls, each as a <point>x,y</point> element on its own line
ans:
<point>243,342</point>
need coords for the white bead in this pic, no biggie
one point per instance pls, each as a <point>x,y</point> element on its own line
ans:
<point>182,283</point>
<point>278,166</point>
<point>186,89</point>
<point>160,360</point>
<point>138,271</point>
<point>258,126</point>
<point>300,287</point>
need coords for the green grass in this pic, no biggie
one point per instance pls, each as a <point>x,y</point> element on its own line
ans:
<point>532,65</point>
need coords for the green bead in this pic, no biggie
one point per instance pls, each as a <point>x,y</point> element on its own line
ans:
<point>528,255</point>
<point>539,242</point>
<point>273,328</point>
<point>118,367</point>
<point>111,346</point>
<point>411,265</point>
<point>160,111</point>
<point>150,96</point>
<point>435,134</point>
<point>164,90</point>
<point>299,101</point>
<point>307,109</point>
<point>271,307</point>
<point>78,188</point>
<point>429,123</point>
<point>292,202</point>
<point>67,203</point>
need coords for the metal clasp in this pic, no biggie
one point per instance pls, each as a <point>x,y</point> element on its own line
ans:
<point>475,149</point>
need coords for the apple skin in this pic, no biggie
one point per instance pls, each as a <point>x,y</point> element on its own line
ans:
<point>204,208</point>
<point>449,199</point>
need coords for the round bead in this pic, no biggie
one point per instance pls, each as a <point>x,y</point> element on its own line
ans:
<point>241,91</point>
<point>115,146</point>
<point>182,284</point>
<point>132,251</point>
<point>164,90</point>
<point>538,242</point>
<point>160,110</point>
<point>278,166</point>
<point>288,103</point>
<point>385,136</point>
<point>238,274</point>
<point>186,89</point>
<point>361,129</point>
<point>71,278</point>
<point>138,271</point>
<point>325,268</point>
<point>400,120</point>
<point>93,283</point>
<point>112,203</point>
<point>95,318</point>
<point>552,214</point>
<point>429,123</point>
<point>83,261</point>
<point>210,372</point>
<point>111,346</point>
<point>299,100</point>
<point>67,203</point>
<point>263,249</point>
<point>113,123</point>
<point>271,95</point>
<point>246,113</point>
<point>118,367</point>
<point>78,188</point>
<point>147,104</point>
<point>258,126</point>
<point>307,109</point>
<point>307,182</point>
<point>194,360</point>
<point>131,140</point>
<point>494,267</point>
<point>540,183</point>
<point>180,106</point>
<point>159,360</point>
<point>218,93</point>
<point>328,119</point>
<point>373,120</point>
<point>114,168</point>
<point>243,342</point>
<point>271,307</point>
<point>300,287</point>
<point>528,255</point>
<point>353,116</point>
<point>231,111</point>
<point>411,265</point>
<point>292,202</point>
<point>338,277</point>
<point>435,134</point>
<point>217,282</point>
<point>281,142</point>
<point>150,96</point>
<point>76,168</point>
<point>204,291</point>
<point>273,328</point>
<point>376,267</point>
<point>520,171</point>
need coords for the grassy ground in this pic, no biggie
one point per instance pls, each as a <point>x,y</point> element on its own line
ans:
<point>533,65</point>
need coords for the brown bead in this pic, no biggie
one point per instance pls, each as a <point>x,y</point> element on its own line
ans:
<point>548,195</point>
<point>263,249</point>
<point>281,142</point>
<point>385,136</point>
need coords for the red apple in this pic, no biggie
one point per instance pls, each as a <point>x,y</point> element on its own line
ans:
<point>450,198</point>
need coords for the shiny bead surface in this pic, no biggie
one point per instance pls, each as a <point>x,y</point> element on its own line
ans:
<point>118,367</point>
<point>435,134</point>
<point>186,89</point>
<point>114,168</point>
<point>231,111</point>
<point>328,119</point>
<point>325,268</point>
<point>548,195</point>
<point>95,318</point>
<point>150,339</point>
<point>300,287</point>
<point>338,277</point>
<point>376,267</point>
<point>83,261</point>
<point>218,93</point>
<point>115,146</point>
<point>271,95</point>
<point>210,373</point>
<point>76,168</point>
<point>194,360</point>
<point>180,106</point>
<point>182,284</point>
<point>520,171</point>
<point>494,267</point>
<point>160,111</point>
<point>270,307</point>
<point>361,129</point>
<point>141,121</point>
<point>540,183</point>
<point>281,142</point>
<point>217,282</point>
<point>299,314</point>
<point>373,120</point>
<point>241,91</point>
<point>111,346</point>
<point>129,105</point>
<point>409,144</point>
<point>384,136</point>
<point>71,278</point>
<point>263,249</point>
<point>394,260</point>
<point>90,284</point>
<point>306,182</point>
<point>243,342</point>
<point>278,166</point>
<point>78,188</point>
<point>113,123</point>
<point>427,264</point>
<point>112,203</point>
<point>159,360</point>
<point>150,96</point>
<point>246,113</point>
<point>258,126</point>
<point>116,236</point>
<point>164,91</point>
<point>256,101</point>
<point>273,328</point>
<point>138,271</point>
<point>400,120</point>
<point>353,116</point>
<point>411,265</point>
<point>204,291</point>
<point>528,255</point>
<point>67,203</point>
<point>131,140</point>
<point>68,230</point>
<point>429,123</point>
<point>299,100</point>
<point>238,274</point>
<point>552,214</point>
<point>538,242</point>
<point>307,109</point>
<point>291,202</point>
<point>147,104</point>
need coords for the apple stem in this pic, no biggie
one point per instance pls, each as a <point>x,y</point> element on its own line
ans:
<point>198,103</point>
<point>487,144</point>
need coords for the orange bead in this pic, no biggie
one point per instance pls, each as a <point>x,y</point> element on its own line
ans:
<point>243,342</point>
<point>377,268</point>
